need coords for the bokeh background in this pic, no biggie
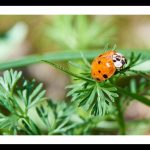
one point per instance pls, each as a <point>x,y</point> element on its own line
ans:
<point>28,35</point>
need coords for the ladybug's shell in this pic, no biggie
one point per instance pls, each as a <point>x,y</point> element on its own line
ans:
<point>103,66</point>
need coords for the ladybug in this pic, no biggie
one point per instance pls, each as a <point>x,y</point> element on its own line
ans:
<point>105,65</point>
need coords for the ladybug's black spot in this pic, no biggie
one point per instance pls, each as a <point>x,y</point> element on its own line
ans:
<point>123,62</point>
<point>117,59</point>
<point>99,62</point>
<point>97,79</point>
<point>99,71</point>
<point>105,76</point>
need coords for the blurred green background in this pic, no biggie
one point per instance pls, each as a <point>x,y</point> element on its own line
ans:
<point>25,35</point>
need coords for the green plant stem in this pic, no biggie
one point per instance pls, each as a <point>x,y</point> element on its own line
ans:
<point>140,98</point>
<point>62,56</point>
<point>68,72</point>
<point>120,118</point>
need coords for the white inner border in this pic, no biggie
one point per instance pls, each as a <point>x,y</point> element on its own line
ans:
<point>74,139</point>
<point>74,10</point>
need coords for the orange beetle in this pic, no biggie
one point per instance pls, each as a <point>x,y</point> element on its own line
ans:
<point>106,64</point>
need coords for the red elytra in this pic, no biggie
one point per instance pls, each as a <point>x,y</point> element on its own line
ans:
<point>103,67</point>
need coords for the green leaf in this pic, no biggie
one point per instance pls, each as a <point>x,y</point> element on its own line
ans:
<point>78,66</point>
<point>65,56</point>
<point>85,60</point>
<point>133,86</point>
<point>18,98</point>
<point>9,79</point>
<point>30,127</point>
<point>93,97</point>
<point>8,121</point>
<point>89,100</point>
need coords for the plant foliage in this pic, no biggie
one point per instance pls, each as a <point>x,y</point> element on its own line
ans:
<point>78,32</point>
<point>98,97</point>
<point>25,109</point>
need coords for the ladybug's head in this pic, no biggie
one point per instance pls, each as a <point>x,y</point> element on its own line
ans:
<point>119,61</point>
